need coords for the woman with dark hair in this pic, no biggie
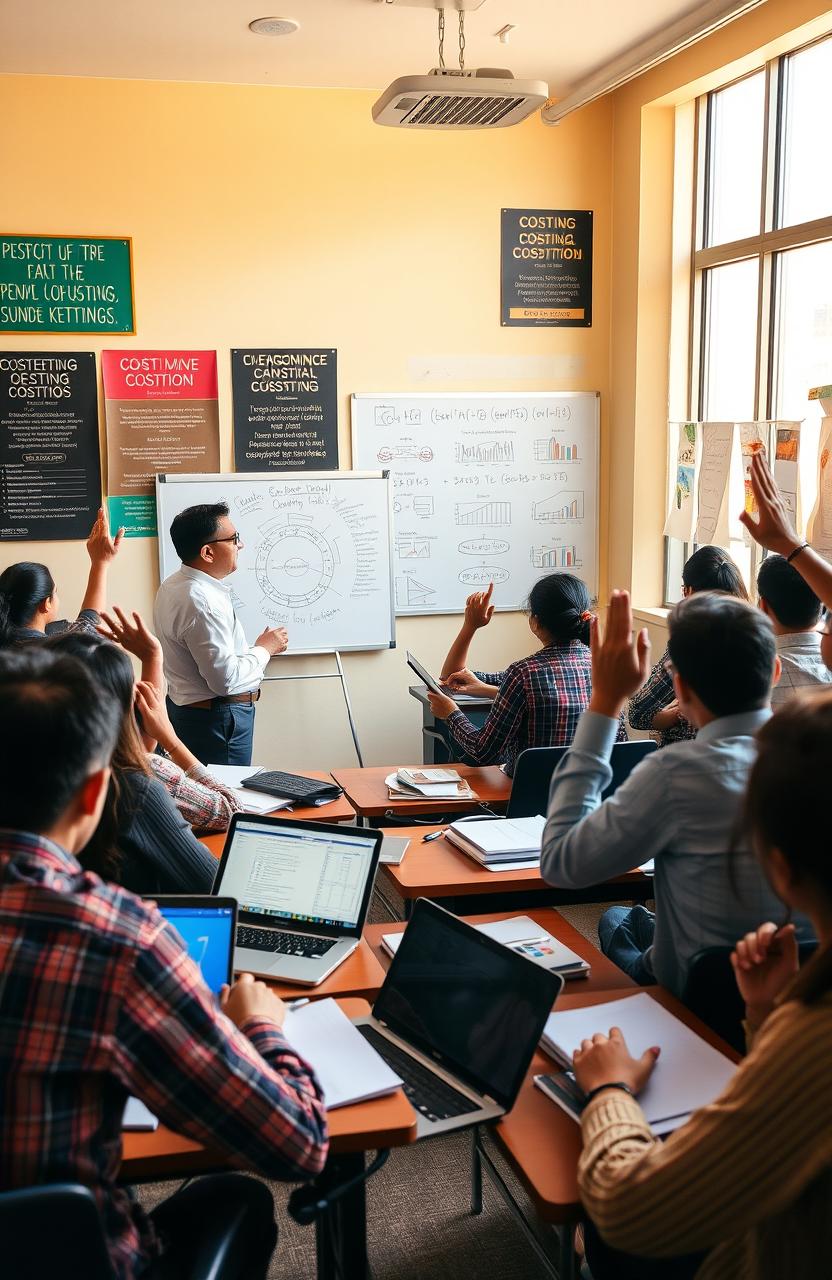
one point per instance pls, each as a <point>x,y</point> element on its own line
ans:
<point>654,707</point>
<point>29,605</point>
<point>142,841</point>
<point>744,1189</point>
<point>538,700</point>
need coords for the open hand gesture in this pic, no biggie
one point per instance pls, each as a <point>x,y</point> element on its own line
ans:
<point>773,528</point>
<point>135,636</point>
<point>619,663</point>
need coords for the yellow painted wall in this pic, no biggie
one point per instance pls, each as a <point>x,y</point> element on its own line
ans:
<point>262,216</point>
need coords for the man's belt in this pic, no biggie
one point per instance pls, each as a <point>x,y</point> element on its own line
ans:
<point>208,703</point>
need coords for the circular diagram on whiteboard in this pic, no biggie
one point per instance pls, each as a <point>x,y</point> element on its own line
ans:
<point>295,565</point>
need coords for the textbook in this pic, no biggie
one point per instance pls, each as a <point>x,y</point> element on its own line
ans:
<point>498,840</point>
<point>348,1068</point>
<point>527,938</point>
<point>689,1074</point>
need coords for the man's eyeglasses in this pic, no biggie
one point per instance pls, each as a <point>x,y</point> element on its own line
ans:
<point>232,537</point>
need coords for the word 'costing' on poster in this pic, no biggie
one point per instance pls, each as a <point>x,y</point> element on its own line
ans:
<point>546,267</point>
<point>285,409</point>
<point>162,416</point>
<point>50,469</point>
<point>680,517</point>
<point>66,284</point>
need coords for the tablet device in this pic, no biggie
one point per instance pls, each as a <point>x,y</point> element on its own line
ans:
<point>415,665</point>
<point>207,926</point>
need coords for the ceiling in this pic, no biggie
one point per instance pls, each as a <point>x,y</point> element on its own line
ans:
<point>341,43</point>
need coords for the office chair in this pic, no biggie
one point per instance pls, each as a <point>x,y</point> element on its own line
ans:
<point>535,766</point>
<point>711,992</point>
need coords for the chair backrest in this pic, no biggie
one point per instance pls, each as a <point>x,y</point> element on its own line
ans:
<point>711,992</point>
<point>535,766</point>
<point>51,1233</point>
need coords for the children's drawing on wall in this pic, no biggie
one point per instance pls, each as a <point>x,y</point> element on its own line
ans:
<point>751,442</point>
<point>819,532</point>
<point>683,500</point>
<point>787,467</point>
<point>714,470</point>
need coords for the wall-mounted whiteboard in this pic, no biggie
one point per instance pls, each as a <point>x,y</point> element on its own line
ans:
<point>316,555</point>
<point>498,487</point>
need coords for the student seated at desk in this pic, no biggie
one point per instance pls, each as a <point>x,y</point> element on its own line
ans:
<point>745,1187</point>
<point>539,699</point>
<point>679,806</point>
<point>142,841</point>
<point>794,611</point>
<point>29,604</point>
<point>100,1000</point>
<point>655,707</point>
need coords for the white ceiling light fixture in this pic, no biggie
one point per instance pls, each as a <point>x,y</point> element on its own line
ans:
<point>447,98</point>
<point>274,26</point>
<point>679,35</point>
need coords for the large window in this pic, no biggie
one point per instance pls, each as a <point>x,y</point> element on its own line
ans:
<point>761,280</point>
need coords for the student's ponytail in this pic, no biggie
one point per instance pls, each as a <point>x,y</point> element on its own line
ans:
<point>23,588</point>
<point>712,569</point>
<point>561,604</point>
<point>786,808</point>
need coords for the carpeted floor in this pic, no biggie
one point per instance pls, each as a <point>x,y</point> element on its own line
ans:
<point>419,1223</point>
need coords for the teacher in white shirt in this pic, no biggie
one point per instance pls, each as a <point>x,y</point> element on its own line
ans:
<point>213,674</point>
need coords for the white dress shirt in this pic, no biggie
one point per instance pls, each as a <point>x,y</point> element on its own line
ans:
<point>205,650</point>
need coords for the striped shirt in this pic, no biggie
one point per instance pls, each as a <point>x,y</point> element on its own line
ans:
<point>538,704</point>
<point>99,1000</point>
<point>748,1177</point>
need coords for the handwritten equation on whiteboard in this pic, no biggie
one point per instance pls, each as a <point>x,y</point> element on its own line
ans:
<point>486,488</point>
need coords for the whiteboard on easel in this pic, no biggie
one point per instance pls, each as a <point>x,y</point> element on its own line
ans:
<point>498,487</point>
<point>316,555</point>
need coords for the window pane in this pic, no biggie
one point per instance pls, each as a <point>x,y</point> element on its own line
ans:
<point>803,348</point>
<point>730,355</point>
<point>806,174</point>
<point>735,160</point>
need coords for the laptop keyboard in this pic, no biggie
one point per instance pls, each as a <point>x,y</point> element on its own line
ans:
<point>288,944</point>
<point>426,1092</point>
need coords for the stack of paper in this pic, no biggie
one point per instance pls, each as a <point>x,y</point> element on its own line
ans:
<point>231,776</point>
<point>393,849</point>
<point>427,784</point>
<point>348,1068</point>
<point>499,842</point>
<point>689,1073</point>
<point>526,937</point>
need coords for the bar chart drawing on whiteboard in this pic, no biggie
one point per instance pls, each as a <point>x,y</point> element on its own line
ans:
<point>553,450</point>
<point>563,557</point>
<point>495,452</point>
<point>561,506</point>
<point>498,513</point>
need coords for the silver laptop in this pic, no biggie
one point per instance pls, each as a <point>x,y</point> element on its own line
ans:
<point>458,1019</point>
<point>302,888</point>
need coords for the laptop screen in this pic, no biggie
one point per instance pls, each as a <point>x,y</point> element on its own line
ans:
<point>468,1002</point>
<point>207,929</point>
<point>298,874</point>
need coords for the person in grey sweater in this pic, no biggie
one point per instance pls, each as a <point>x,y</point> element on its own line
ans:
<point>142,841</point>
<point>681,805</point>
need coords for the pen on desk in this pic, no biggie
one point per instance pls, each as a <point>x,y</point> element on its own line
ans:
<point>433,835</point>
<point>297,1004</point>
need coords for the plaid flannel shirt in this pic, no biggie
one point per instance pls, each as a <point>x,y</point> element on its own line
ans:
<point>100,1000</point>
<point>539,703</point>
<point>654,695</point>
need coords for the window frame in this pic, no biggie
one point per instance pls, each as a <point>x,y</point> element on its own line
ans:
<point>770,240</point>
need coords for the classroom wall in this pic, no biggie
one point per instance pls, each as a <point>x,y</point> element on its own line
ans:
<point>282,217</point>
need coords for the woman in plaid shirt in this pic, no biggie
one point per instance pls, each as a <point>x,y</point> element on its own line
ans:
<point>538,700</point>
<point>654,707</point>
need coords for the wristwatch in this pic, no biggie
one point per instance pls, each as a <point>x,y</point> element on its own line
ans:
<point>613,1084</point>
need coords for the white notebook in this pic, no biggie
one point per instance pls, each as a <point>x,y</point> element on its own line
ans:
<point>526,937</point>
<point>689,1073</point>
<point>347,1067</point>
<point>500,837</point>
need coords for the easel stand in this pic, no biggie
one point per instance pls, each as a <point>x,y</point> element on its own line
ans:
<point>332,675</point>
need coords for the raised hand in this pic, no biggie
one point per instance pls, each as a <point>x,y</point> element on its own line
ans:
<point>100,546</point>
<point>135,636</point>
<point>607,1060</point>
<point>478,608</point>
<point>765,961</point>
<point>619,663</point>
<point>773,528</point>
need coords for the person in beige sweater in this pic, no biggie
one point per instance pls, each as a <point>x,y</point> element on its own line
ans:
<point>744,1190</point>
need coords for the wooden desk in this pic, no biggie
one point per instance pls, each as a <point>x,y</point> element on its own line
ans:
<point>339,810</point>
<point>367,792</point>
<point>440,871</point>
<point>367,1126</point>
<point>605,975</point>
<point>541,1142</point>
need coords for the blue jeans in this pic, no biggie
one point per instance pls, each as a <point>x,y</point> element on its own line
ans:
<point>223,734</point>
<point>625,933</point>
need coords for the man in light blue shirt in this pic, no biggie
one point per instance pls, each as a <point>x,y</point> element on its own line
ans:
<point>681,806</point>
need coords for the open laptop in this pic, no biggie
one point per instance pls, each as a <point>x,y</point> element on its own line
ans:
<point>458,1018</point>
<point>207,925</point>
<point>303,889</point>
